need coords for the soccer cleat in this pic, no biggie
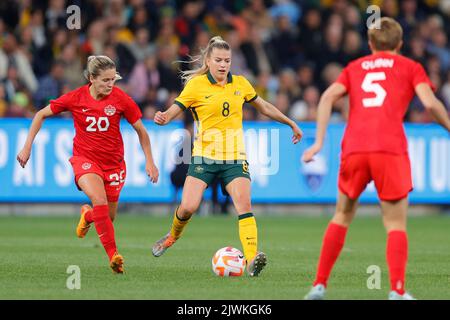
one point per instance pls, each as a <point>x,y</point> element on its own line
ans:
<point>83,226</point>
<point>116,263</point>
<point>394,295</point>
<point>163,244</point>
<point>316,293</point>
<point>258,263</point>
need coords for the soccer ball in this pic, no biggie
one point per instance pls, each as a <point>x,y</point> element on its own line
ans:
<point>228,262</point>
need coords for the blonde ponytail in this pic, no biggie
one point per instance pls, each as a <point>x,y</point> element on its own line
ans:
<point>200,60</point>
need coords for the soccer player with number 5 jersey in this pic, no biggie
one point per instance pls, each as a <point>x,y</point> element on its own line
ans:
<point>98,154</point>
<point>380,87</point>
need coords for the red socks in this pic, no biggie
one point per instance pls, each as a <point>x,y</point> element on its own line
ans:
<point>397,255</point>
<point>88,216</point>
<point>105,229</point>
<point>332,244</point>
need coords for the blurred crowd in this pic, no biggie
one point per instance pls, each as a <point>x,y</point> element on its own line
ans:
<point>289,50</point>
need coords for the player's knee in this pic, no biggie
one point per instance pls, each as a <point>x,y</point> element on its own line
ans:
<point>346,212</point>
<point>243,203</point>
<point>343,217</point>
<point>99,200</point>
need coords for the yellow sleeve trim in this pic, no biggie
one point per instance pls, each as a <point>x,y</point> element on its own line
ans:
<point>252,99</point>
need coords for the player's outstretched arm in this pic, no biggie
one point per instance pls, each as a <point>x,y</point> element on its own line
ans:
<point>163,118</point>
<point>144,139</point>
<point>269,110</point>
<point>328,98</point>
<point>36,125</point>
<point>433,105</point>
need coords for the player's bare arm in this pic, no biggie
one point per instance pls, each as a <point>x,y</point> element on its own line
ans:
<point>163,118</point>
<point>144,139</point>
<point>36,125</point>
<point>328,98</point>
<point>433,105</point>
<point>269,110</point>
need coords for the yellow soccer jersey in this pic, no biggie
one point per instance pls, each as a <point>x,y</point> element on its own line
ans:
<point>217,112</point>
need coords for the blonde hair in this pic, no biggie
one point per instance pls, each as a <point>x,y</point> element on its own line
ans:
<point>97,64</point>
<point>386,35</point>
<point>215,42</point>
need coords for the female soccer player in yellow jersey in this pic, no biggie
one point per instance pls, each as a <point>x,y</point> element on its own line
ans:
<point>215,97</point>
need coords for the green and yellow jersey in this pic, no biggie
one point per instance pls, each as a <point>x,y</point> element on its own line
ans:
<point>217,111</point>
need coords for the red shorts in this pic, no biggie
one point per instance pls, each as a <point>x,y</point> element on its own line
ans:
<point>390,172</point>
<point>113,179</point>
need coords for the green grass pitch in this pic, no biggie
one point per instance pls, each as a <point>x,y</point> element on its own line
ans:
<point>36,252</point>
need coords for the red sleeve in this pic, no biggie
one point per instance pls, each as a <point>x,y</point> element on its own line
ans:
<point>344,79</point>
<point>63,103</point>
<point>420,76</point>
<point>131,112</point>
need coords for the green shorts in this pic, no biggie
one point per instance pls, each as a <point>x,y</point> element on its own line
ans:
<point>207,170</point>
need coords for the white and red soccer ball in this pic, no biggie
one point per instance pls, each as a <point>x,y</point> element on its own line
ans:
<point>228,262</point>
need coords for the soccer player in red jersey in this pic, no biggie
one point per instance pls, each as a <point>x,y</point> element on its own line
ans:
<point>380,87</point>
<point>98,155</point>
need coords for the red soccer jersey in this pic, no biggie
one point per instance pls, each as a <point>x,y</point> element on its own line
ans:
<point>97,123</point>
<point>380,87</point>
